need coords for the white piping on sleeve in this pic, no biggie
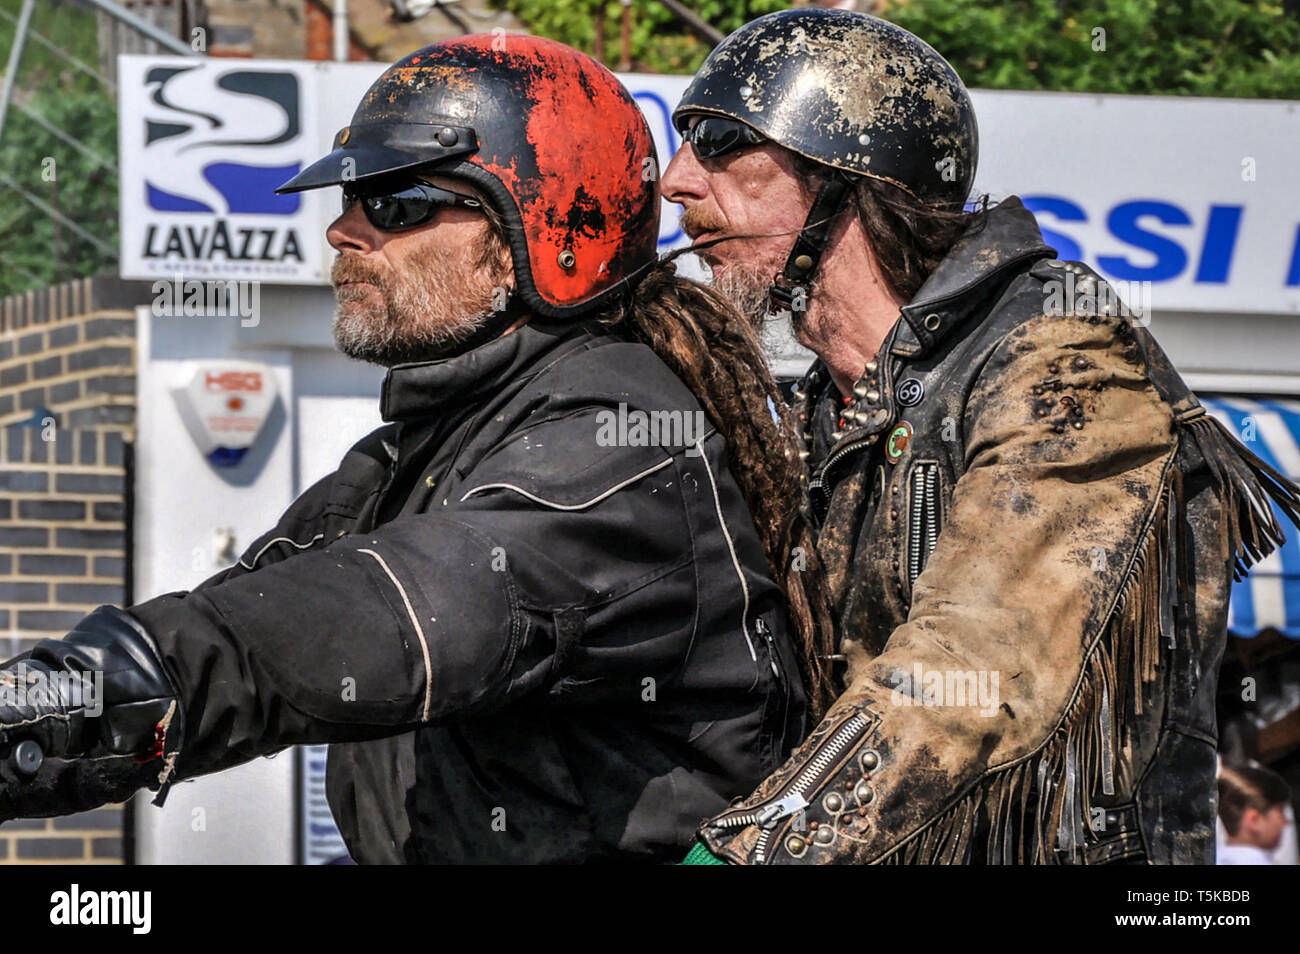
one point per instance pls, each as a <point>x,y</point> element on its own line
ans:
<point>419,631</point>
<point>270,543</point>
<point>744,587</point>
<point>578,506</point>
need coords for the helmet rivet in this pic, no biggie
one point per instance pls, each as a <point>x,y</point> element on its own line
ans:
<point>803,262</point>
<point>746,92</point>
<point>864,140</point>
<point>345,135</point>
<point>567,259</point>
<point>447,136</point>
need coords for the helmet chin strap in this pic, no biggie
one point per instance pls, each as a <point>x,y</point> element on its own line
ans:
<point>810,245</point>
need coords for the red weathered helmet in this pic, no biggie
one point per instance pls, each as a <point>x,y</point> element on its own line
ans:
<point>547,133</point>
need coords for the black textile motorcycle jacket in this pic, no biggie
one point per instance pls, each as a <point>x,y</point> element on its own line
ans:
<point>534,633</point>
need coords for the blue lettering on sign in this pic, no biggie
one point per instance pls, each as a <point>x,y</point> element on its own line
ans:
<point>1220,239</point>
<point>1123,223</point>
<point>1293,273</point>
<point>662,117</point>
<point>1066,248</point>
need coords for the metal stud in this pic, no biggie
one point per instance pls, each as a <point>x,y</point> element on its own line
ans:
<point>869,760</point>
<point>833,803</point>
<point>871,367</point>
<point>447,136</point>
<point>863,793</point>
<point>873,396</point>
<point>796,845</point>
<point>860,390</point>
<point>824,835</point>
<point>566,258</point>
<point>803,263</point>
<point>864,140</point>
<point>746,92</point>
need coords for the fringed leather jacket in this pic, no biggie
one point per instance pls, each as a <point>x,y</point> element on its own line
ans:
<point>1030,526</point>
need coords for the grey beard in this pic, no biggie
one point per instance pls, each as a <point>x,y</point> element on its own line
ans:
<point>746,287</point>
<point>379,340</point>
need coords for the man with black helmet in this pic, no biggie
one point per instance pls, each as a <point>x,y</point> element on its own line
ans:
<point>1029,523</point>
<point>533,613</point>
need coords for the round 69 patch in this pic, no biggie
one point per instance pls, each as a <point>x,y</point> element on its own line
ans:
<point>898,440</point>
<point>910,392</point>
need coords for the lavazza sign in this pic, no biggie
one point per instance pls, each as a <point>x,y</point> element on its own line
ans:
<point>1175,218</point>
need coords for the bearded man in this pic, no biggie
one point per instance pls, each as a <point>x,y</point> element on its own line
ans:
<point>527,643</point>
<point>1028,521</point>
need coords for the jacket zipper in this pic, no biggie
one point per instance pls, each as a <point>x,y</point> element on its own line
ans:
<point>818,484</point>
<point>791,798</point>
<point>925,517</point>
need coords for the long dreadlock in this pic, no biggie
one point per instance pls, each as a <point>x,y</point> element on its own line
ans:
<point>716,352</point>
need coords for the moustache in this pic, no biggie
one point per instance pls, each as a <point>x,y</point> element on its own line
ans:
<point>697,220</point>
<point>347,270</point>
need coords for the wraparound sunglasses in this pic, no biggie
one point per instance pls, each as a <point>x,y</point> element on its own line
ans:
<point>714,136</point>
<point>404,205</point>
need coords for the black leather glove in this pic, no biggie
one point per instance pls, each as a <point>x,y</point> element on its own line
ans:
<point>86,720</point>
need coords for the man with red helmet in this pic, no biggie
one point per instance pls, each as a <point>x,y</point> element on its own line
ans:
<point>533,613</point>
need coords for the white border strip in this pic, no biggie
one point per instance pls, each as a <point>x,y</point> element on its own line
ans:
<point>744,587</point>
<point>271,543</point>
<point>424,645</point>
<point>578,506</point>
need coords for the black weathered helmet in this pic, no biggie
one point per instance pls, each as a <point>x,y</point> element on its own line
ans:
<point>847,90</point>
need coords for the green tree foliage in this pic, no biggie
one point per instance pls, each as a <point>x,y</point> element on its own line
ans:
<point>660,43</point>
<point>36,250</point>
<point>1235,48</point>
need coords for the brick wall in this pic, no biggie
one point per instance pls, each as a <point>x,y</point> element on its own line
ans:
<point>67,412</point>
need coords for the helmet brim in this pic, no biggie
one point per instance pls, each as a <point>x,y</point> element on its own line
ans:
<point>375,149</point>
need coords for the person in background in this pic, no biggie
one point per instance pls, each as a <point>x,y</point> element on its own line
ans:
<point>1252,807</point>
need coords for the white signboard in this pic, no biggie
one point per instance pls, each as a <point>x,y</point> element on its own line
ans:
<point>1194,196</point>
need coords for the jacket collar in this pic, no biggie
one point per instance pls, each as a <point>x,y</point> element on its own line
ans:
<point>1009,237</point>
<point>427,388</point>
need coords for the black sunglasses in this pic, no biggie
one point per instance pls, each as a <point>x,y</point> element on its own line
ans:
<point>403,205</point>
<point>714,136</point>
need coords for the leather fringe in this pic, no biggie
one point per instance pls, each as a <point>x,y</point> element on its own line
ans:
<point>1039,810</point>
<point>1251,530</point>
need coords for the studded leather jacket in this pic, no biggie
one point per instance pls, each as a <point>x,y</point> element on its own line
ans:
<point>1030,526</point>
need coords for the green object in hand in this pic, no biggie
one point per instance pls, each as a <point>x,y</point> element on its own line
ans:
<point>700,855</point>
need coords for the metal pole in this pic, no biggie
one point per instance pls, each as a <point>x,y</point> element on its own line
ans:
<point>15,54</point>
<point>163,39</point>
<point>688,16</point>
<point>57,215</point>
<point>341,30</point>
<point>59,134</point>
